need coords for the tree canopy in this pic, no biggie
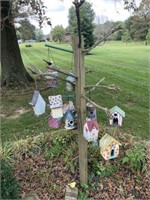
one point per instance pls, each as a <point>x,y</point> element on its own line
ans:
<point>26,29</point>
<point>58,33</point>
<point>87,16</point>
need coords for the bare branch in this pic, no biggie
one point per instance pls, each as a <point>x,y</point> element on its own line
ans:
<point>106,110</point>
<point>113,30</point>
<point>43,74</point>
<point>95,85</point>
<point>110,87</point>
<point>62,71</point>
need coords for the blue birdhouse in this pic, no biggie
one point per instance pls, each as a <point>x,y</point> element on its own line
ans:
<point>70,120</point>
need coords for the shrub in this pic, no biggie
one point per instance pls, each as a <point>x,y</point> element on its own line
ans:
<point>136,158</point>
<point>28,45</point>
<point>9,186</point>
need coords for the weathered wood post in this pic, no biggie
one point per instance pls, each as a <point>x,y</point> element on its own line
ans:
<point>79,71</point>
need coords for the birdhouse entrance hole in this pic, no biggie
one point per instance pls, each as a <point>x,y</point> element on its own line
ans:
<point>112,153</point>
<point>115,121</point>
<point>71,122</point>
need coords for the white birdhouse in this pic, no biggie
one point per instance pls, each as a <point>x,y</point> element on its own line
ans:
<point>69,86</point>
<point>116,116</point>
<point>38,103</point>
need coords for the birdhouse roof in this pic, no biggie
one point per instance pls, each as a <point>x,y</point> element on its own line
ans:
<point>70,78</point>
<point>106,140</point>
<point>118,110</point>
<point>69,115</point>
<point>91,124</point>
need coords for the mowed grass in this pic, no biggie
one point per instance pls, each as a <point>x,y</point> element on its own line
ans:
<point>125,65</point>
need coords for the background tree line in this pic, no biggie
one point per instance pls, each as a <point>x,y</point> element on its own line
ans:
<point>135,28</point>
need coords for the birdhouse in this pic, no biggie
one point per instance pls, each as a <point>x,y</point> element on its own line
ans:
<point>91,130</point>
<point>53,122</point>
<point>38,103</point>
<point>109,147</point>
<point>55,101</point>
<point>70,86</point>
<point>91,111</point>
<point>52,80</point>
<point>70,120</point>
<point>116,116</point>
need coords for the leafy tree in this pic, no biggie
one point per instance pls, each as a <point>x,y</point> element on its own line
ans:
<point>13,70</point>
<point>148,37</point>
<point>144,10</point>
<point>126,36</point>
<point>26,29</point>
<point>38,34</point>
<point>139,28</point>
<point>127,26</point>
<point>86,17</point>
<point>102,27</point>
<point>58,33</point>
<point>140,21</point>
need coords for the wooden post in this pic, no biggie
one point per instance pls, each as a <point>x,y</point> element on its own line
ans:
<point>79,71</point>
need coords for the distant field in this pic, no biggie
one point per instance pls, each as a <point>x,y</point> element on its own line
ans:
<point>125,65</point>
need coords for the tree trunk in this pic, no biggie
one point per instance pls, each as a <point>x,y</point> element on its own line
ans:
<point>13,70</point>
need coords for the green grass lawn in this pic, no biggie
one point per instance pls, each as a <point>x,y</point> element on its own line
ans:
<point>125,65</point>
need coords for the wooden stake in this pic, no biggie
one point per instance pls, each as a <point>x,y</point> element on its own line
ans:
<point>79,71</point>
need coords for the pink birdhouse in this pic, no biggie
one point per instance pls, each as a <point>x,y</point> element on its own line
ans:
<point>91,130</point>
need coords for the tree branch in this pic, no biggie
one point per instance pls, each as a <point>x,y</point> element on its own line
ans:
<point>113,30</point>
<point>43,74</point>
<point>110,87</point>
<point>94,86</point>
<point>106,110</point>
<point>62,71</point>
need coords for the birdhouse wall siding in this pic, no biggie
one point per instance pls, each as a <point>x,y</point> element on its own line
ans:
<point>120,120</point>
<point>107,152</point>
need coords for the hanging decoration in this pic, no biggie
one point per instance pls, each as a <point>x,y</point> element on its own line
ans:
<point>38,103</point>
<point>91,130</point>
<point>91,111</point>
<point>116,116</point>
<point>109,147</point>
<point>70,116</point>
<point>69,86</point>
<point>51,80</point>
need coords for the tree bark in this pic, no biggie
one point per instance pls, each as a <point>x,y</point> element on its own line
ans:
<point>13,70</point>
